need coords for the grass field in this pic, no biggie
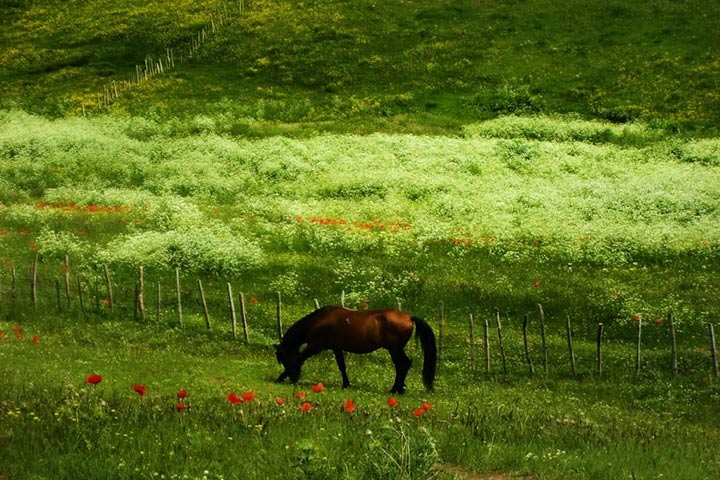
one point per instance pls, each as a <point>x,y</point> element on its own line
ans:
<point>447,156</point>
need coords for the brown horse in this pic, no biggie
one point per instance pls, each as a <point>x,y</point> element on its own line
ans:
<point>357,331</point>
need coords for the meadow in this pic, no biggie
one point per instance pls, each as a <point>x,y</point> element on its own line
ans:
<point>453,158</point>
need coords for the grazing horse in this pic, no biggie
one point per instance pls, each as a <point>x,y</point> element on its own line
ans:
<point>357,331</point>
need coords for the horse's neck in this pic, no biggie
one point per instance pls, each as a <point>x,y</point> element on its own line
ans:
<point>295,336</point>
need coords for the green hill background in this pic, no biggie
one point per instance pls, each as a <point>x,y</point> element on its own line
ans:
<point>420,66</point>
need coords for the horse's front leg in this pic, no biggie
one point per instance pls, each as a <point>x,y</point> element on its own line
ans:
<point>282,376</point>
<point>340,359</point>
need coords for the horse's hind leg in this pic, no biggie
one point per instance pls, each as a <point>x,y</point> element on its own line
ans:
<point>340,359</point>
<point>402,366</point>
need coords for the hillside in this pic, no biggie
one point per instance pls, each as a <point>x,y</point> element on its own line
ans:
<point>420,66</point>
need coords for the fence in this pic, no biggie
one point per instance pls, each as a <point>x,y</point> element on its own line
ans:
<point>98,293</point>
<point>158,64</point>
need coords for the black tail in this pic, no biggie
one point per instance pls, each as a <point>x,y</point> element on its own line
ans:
<point>429,348</point>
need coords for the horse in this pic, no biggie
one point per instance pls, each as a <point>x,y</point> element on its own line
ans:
<point>357,331</point>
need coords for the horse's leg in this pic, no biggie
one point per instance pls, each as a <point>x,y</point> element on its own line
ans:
<point>340,359</point>
<point>402,366</point>
<point>282,376</point>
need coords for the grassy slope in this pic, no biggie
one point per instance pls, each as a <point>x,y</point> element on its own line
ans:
<point>421,65</point>
<point>429,67</point>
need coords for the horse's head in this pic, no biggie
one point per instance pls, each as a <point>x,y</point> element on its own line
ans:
<point>290,359</point>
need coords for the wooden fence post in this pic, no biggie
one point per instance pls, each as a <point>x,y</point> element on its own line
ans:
<point>713,350</point>
<point>279,316</point>
<point>441,322</point>
<point>33,282</point>
<point>243,318</point>
<point>141,292</point>
<point>571,351</point>
<point>543,338</point>
<point>80,296</point>
<point>638,360</point>
<point>158,301</point>
<point>528,358</point>
<point>501,345</point>
<point>204,304</point>
<point>57,295</point>
<point>599,349</point>
<point>179,297</point>
<point>486,335</point>
<point>108,285</point>
<point>673,340</point>
<point>471,326</point>
<point>66,271</point>
<point>233,318</point>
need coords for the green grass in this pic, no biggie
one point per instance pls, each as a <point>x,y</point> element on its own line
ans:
<point>423,66</point>
<point>54,424</point>
<point>468,154</point>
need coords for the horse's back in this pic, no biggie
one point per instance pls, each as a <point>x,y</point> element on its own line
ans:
<point>360,331</point>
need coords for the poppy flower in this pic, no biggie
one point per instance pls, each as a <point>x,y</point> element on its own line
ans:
<point>306,407</point>
<point>140,389</point>
<point>349,406</point>
<point>2,335</point>
<point>300,395</point>
<point>318,387</point>
<point>248,397</point>
<point>16,329</point>
<point>182,394</point>
<point>659,322</point>
<point>536,284</point>
<point>418,412</point>
<point>636,318</point>
<point>392,401</point>
<point>18,336</point>
<point>94,379</point>
<point>280,401</point>
<point>426,406</point>
<point>253,300</point>
<point>233,398</point>
<point>180,406</point>
<point>36,339</point>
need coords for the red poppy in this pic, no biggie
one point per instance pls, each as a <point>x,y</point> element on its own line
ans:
<point>16,329</point>
<point>2,335</point>
<point>182,394</point>
<point>349,406</point>
<point>306,407</point>
<point>636,317</point>
<point>140,389</point>
<point>318,387</point>
<point>94,379</point>
<point>36,339</point>
<point>392,402</point>
<point>233,398</point>
<point>426,406</point>
<point>300,395</point>
<point>280,401</point>
<point>18,336</point>
<point>536,284</point>
<point>248,397</point>
<point>180,406</point>
<point>418,412</point>
<point>299,218</point>
<point>33,246</point>
<point>253,300</point>
<point>658,322</point>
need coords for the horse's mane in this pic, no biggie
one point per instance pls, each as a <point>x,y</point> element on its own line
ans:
<point>295,335</point>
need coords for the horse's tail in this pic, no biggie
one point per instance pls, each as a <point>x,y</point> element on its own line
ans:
<point>429,348</point>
